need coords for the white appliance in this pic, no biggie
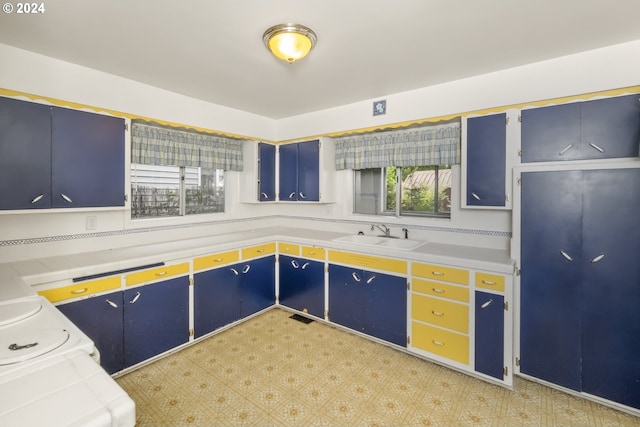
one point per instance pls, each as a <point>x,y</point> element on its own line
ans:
<point>49,371</point>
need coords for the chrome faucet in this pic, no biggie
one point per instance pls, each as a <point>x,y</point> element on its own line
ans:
<point>386,230</point>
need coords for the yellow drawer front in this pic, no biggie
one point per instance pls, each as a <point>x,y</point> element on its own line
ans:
<point>215,260</point>
<point>438,272</point>
<point>450,315</point>
<point>314,253</point>
<point>157,273</point>
<point>260,250</point>
<point>441,290</point>
<point>82,289</point>
<point>288,248</point>
<point>490,281</point>
<point>369,261</point>
<point>438,341</point>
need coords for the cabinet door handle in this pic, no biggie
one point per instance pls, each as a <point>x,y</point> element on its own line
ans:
<point>294,263</point>
<point>292,194</point>
<point>486,304</point>
<point>246,269</point>
<point>598,258</point>
<point>37,198</point>
<point>488,282</point>
<point>371,279</point>
<point>80,291</point>
<point>235,271</point>
<point>305,265</point>
<point>133,301</point>
<point>566,255</point>
<point>567,148</point>
<point>440,291</point>
<point>112,304</point>
<point>440,343</point>
<point>437,313</point>
<point>264,195</point>
<point>355,276</point>
<point>66,198</point>
<point>302,196</point>
<point>475,196</point>
<point>595,147</point>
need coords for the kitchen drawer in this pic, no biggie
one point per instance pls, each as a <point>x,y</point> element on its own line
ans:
<point>215,260</point>
<point>82,289</point>
<point>490,281</point>
<point>368,261</point>
<point>441,290</point>
<point>438,272</point>
<point>257,251</point>
<point>157,273</point>
<point>289,248</point>
<point>439,312</point>
<point>438,341</point>
<point>314,253</point>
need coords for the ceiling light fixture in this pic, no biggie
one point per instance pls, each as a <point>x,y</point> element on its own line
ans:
<point>289,41</point>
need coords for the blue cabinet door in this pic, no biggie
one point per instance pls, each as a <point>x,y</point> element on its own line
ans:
<point>216,298</point>
<point>551,133</point>
<point>267,172</point>
<point>309,171</point>
<point>486,157</point>
<point>25,155</point>
<point>346,301</point>
<point>288,172</point>
<point>87,159</point>
<point>156,319</point>
<point>611,285</point>
<point>257,285</point>
<point>551,273</point>
<point>101,319</point>
<point>489,334</point>
<point>385,313</point>
<point>301,284</point>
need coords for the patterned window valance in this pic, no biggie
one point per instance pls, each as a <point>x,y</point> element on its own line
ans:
<point>154,145</point>
<point>433,145</point>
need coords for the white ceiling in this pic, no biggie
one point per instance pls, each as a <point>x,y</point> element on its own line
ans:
<point>212,49</point>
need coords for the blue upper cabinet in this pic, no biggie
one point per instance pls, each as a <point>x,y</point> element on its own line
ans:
<point>53,157</point>
<point>266,172</point>
<point>485,158</point>
<point>300,172</point>
<point>598,129</point>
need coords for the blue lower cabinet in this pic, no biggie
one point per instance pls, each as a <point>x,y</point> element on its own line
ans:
<point>368,302</point>
<point>156,319</point>
<point>216,298</point>
<point>302,284</point>
<point>489,334</point>
<point>101,319</point>
<point>257,285</point>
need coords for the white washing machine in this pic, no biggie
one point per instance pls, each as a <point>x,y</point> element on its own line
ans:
<point>49,369</point>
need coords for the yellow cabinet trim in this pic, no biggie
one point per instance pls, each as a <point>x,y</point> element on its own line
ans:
<point>438,272</point>
<point>442,290</point>
<point>490,281</point>
<point>82,289</point>
<point>369,261</point>
<point>289,248</point>
<point>314,253</point>
<point>157,273</point>
<point>438,341</point>
<point>215,260</point>
<point>450,315</point>
<point>257,251</point>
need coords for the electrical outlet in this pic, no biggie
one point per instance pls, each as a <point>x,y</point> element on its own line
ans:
<point>92,222</point>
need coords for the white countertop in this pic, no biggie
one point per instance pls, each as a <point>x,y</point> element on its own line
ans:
<point>55,270</point>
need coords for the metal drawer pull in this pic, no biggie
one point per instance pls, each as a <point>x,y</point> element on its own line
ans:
<point>355,277</point>
<point>112,304</point>
<point>312,252</point>
<point>302,196</point>
<point>486,304</point>
<point>488,282</point>
<point>475,196</point>
<point>566,255</point>
<point>80,291</point>
<point>246,269</point>
<point>235,271</point>
<point>596,147</point>
<point>437,273</point>
<point>294,263</point>
<point>37,198</point>
<point>66,198</point>
<point>440,343</point>
<point>305,265</point>
<point>292,194</point>
<point>265,195</point>
<point>437,313</point>
<point>259,251</point>
<point>566,149</point>
<point>133,301</point>
<point>598,258</point>
<point>161,273</point>
<point>371,279</point>
<point>218,260</point>
<point>440,291</point>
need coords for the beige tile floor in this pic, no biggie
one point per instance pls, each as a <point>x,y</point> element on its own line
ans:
<point>275,371</point>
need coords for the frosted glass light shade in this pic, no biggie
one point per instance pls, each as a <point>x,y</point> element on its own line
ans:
<point>289,41</point>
